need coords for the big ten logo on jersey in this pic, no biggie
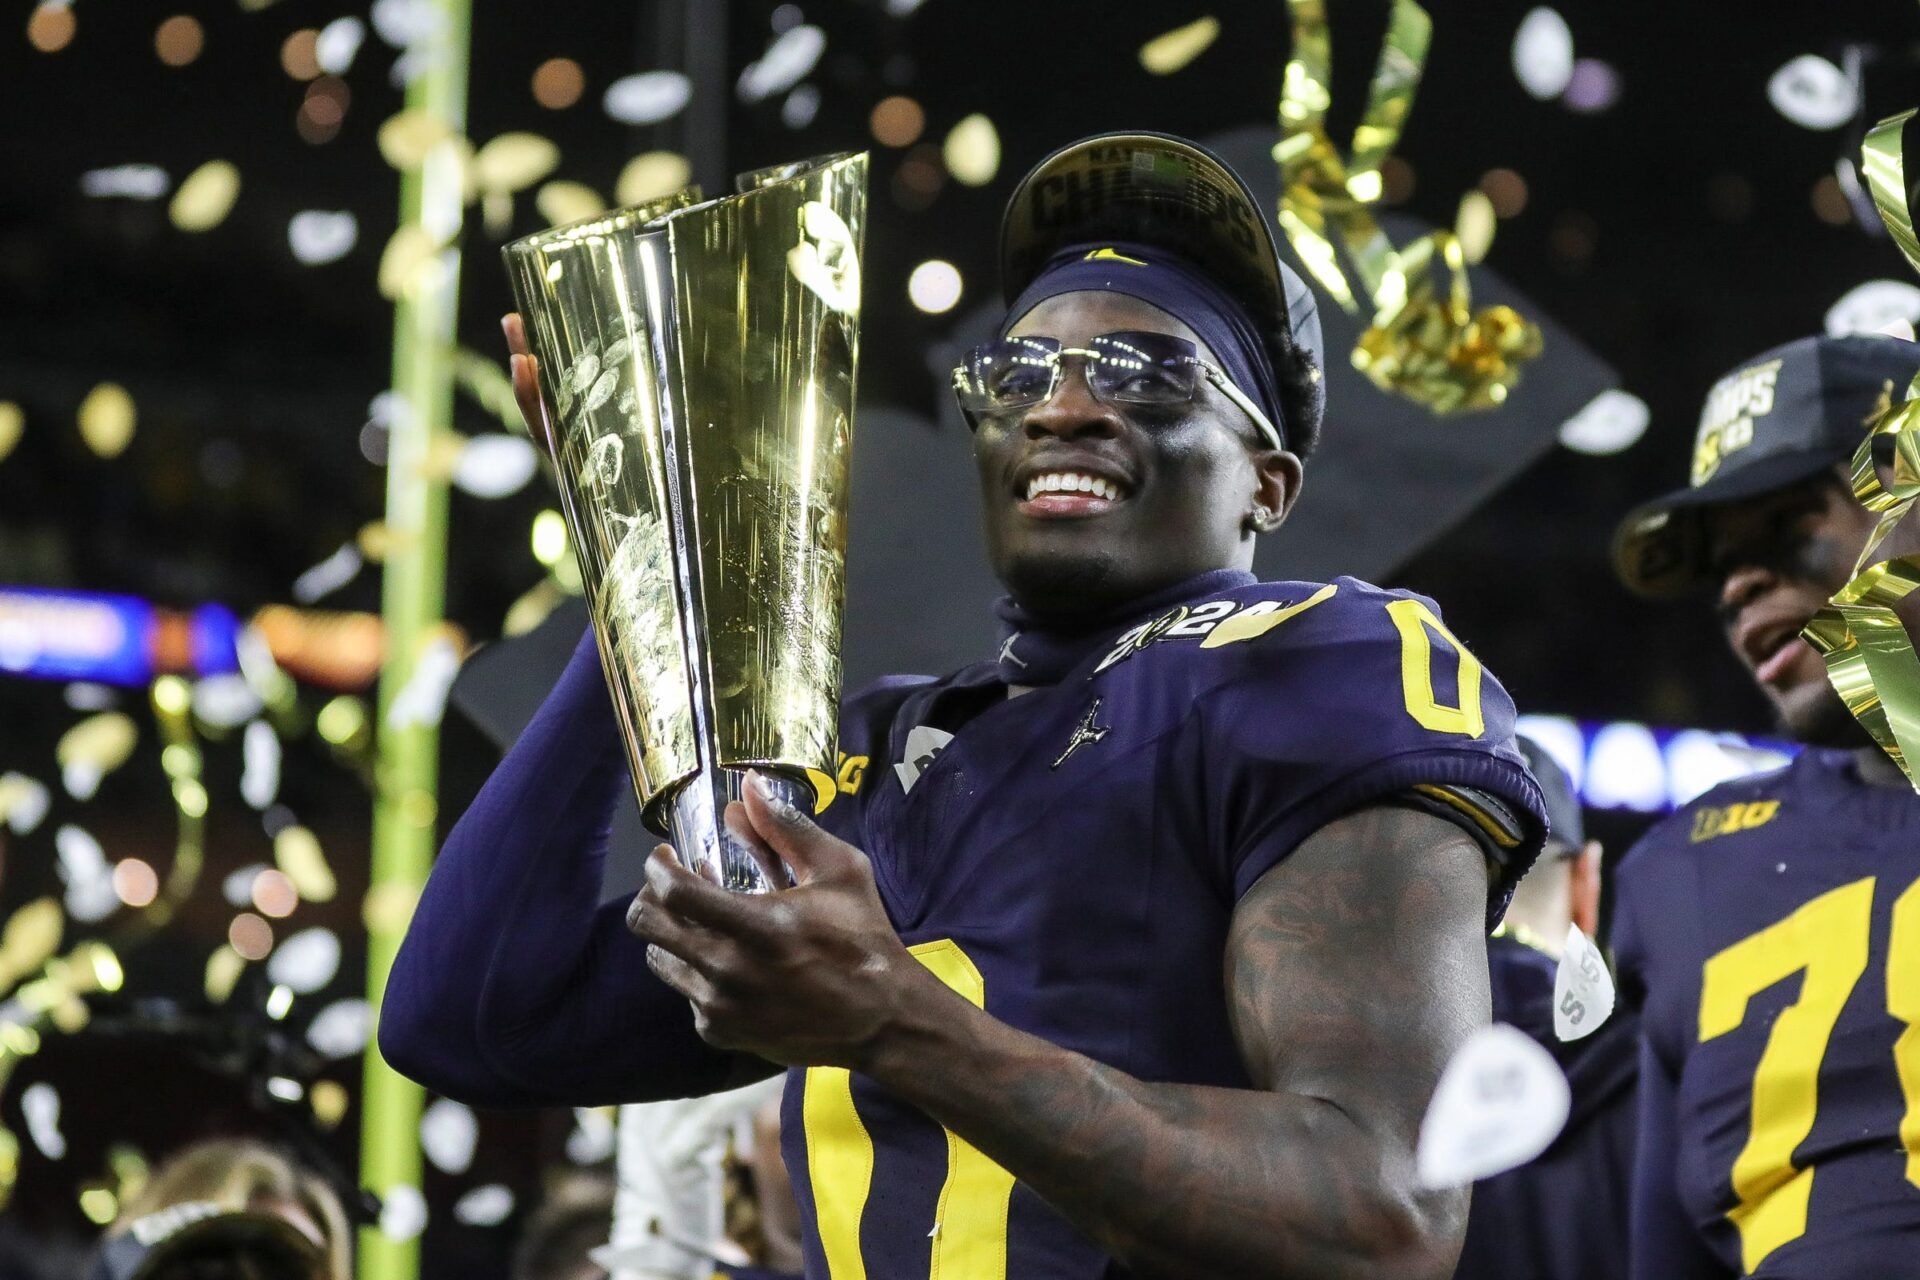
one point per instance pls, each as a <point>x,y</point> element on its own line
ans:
<point>1726,421</point>
<point>1708,823</point>
<point>848,773</point>
<point>1215,623</point>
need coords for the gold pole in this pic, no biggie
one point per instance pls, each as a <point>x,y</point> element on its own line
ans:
<point>413,597</point>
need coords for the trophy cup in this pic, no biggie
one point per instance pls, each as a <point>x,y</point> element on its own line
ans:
<point>699,359</point>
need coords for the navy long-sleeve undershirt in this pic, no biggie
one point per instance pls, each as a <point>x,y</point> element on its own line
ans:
<point>514,986</point>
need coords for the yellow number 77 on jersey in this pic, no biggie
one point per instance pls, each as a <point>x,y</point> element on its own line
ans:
<point>1827,938</point>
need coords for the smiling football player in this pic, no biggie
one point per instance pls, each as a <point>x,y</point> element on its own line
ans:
<point>1134,950</point>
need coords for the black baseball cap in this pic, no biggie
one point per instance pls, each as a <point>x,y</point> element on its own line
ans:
<point>1157,189</point>
<point>1562,803</point>
<point>1782,417</point>
<point>182,1233</point>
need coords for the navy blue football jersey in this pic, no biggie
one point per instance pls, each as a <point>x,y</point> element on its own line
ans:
<point>1070,858</point>
<point>1772,929</point>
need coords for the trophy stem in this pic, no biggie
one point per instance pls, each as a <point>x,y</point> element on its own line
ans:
<point>701,838</point>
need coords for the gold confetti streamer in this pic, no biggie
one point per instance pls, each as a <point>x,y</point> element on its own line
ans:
<point>206,198</point>
<point>32,934</point>
<point>13,423</point>
<point>100,743</point>
<point>1425,341</point>
<point>107,419</point>
<point>296,851</point>
<point>1170,51</point>
<point>1869,654</point>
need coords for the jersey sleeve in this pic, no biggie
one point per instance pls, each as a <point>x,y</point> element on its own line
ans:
<point>1365,698</point>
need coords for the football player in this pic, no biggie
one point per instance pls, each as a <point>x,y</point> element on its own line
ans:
<point>1773,924</point>
<point>1136,949</point>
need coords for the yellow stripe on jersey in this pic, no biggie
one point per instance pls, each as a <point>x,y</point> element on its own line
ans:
<point>1497,831</point>
<point>1249,625</point>
<point>970,1227</point>
<point>839,1167</point>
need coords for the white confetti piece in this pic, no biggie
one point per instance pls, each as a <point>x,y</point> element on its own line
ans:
<point>1873,307</point>
<point>320,236</point>
<point>1813,93</point>
<point>1501,1101</point>
<point>85,696</point>
<point>801,106</point>
<point>423,699</point>
<point>342,1029</point>
<point>1608,423</point>
<point>1543,54</point>
<point>224,701</point>
<point>592,1138</point>
<point>81,856</point>
<point>495,465</point>
<point>793,53</point>
<point>40,1104</point>
<point>486,1206</point>
<point>923,744</point>
<point>306,961</point>
<point>404,23</point>
<point>448,1134</point>
<point>403,1213</point>
<point>260,774</point>
<point>648,97</point>
<point>1582,988</point>
<point>337,44</point>
<point>237,888</point>
<point>131,181</point>
<point>331,574</point>
<point>23,802</point>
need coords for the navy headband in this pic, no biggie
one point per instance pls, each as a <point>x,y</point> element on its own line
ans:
<point>1177,287</point>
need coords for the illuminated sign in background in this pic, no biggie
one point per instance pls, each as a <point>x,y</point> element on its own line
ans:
<point>1625,765</point>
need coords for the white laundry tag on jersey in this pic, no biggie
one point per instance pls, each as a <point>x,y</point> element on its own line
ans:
<point>923,744</point>
<point>1582,988</point>
<point>1501,1101</point>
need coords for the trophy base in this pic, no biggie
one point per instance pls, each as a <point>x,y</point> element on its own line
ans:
<point>701,839</point>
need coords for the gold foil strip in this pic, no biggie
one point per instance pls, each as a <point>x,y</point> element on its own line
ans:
<point>1869,656</point>
<point>1425,342</point>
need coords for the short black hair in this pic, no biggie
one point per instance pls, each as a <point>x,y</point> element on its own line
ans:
<point>1303,393</point>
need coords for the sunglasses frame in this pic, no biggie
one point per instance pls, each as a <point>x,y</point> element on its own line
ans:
<point>1213,374</point>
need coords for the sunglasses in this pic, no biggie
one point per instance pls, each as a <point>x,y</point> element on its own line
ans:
<point>1125,368</point>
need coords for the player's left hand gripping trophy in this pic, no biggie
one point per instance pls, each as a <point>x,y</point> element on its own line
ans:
<point>700,358</point>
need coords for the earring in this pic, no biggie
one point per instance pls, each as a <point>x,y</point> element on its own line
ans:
<point>1263,519</point>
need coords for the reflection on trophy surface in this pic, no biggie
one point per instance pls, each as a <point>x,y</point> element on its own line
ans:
<point>700,359</point>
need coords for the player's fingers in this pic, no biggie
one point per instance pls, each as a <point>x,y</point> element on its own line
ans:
<point>691,900</point>
<point>802,845</point>
<point>735,818</point>
<point>678,974</point>
<point>516,330</point>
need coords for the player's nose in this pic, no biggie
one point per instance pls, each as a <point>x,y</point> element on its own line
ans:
<point>1073,411</point>
<point>1741,587</point>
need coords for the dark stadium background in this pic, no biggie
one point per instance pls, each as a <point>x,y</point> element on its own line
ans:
<point>1675,233</point>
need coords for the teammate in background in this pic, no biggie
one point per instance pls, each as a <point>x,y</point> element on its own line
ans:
<point>1773,925</point>
<point>1176,931</point>
<point>229,1209</point>
<point>573,1219</point>
<point>1562,1216</point>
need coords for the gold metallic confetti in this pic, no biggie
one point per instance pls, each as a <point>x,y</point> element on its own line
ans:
<point>388,907</point>
<point>514,161</point>
<point>107,419</point>
<point>1167,53</point>
<point>408,138</point>
<point>1868,652</point>
<point>297,852</point>
<point>1473,226</point>
<point>533,608</point>
<point>32,935</point>
<point>972,151</point>
<point>100,743</point>
<point>651,175</point>
<point>329,1099</point>
<point>224,968</point>
<point>12,424</point>
<point>1425,340</point>
<point>206,197</point>
<point>408,261</point>
<point>563,202</point>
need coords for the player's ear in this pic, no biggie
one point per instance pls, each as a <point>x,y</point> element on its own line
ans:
<point>1277,479</point>
<point>1583,887</point>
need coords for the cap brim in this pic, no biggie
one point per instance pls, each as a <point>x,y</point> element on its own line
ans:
<point>1660,549</point>
<point>1155,189</point>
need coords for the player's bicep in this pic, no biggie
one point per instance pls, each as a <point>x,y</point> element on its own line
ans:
<point>1357,965</point>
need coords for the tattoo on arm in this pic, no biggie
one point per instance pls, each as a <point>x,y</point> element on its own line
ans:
<point>1353,969</point>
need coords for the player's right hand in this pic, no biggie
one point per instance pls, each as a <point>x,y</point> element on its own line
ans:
<point>523,366</point>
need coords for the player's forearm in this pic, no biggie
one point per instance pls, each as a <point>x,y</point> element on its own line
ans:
<point>1174,1180</point>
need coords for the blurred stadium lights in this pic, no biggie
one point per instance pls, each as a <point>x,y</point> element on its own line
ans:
<point>1626,765</point>
<point>935,286</point>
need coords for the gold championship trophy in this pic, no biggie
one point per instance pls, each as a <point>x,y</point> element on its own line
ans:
<point>699,357</point>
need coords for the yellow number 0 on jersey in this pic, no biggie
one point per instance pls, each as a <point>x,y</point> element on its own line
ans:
<point>1412,619</point>
<point>970,1225</point>
<point>1827,938</point>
